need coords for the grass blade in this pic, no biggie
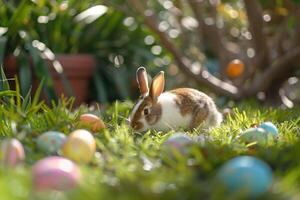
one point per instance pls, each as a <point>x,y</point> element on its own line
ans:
<point>27,101</point>
<point>38,93</point>
<point>3,41</point>
<point>8,93</point>
<point>18,94</point>
<point>4,85</point>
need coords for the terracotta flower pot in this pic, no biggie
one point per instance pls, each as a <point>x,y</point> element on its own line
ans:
<point>78,69</point>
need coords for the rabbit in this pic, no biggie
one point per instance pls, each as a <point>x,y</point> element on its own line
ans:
<point>185,108</point>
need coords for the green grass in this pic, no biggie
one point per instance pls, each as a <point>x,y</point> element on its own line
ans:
<point>131,165</point>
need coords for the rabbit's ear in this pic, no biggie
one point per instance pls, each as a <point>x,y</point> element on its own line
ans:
<point>157,85</point>
<point>142,79</point>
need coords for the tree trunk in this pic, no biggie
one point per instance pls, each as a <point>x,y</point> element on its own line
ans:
<point>273,97</point>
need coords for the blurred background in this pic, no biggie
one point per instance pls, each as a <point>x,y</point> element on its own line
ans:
<point>231,49</point>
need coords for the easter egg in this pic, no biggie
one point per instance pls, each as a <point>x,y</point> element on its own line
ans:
<point>235,68</point>
<point>258,135</point>
<point>203,139</point>
<point>80,146</point>
<point>245,174</point>
<point>55,173</point>
<point>93,122</point>
<point>178,142</point>
<point>270,127</point>
<point>51,141</point>
<point>12,152</point>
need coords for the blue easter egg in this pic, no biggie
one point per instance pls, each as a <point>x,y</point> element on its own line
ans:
<point>270,127</point>
<point>245,174</point>
<point>50,142</point>
<point>258,135</point>
<point>178,142</point>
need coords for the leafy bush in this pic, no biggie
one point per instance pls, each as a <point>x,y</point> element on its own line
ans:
<point>38,28</point>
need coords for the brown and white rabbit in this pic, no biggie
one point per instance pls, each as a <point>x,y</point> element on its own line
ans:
<point>179,108</point>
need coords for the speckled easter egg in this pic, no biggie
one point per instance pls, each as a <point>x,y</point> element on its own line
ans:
<point>12,152</point>
<point>177,142</point>
<point>51,141</point>
<point>245,174</point>
<point>55,173</point>
<point>80,146</point>
<point>93,122</point>
<point>271,128</point>
<point>258,135</point>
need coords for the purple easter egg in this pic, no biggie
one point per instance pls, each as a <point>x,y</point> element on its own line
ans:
<point>179,142</point>
<point>12,152</point>
<point>55,173</point>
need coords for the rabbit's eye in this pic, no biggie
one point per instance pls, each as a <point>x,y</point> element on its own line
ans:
<point>146,111</point>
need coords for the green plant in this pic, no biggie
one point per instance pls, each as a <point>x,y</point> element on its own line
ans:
<point>15,39</point>
<point>118,41</point>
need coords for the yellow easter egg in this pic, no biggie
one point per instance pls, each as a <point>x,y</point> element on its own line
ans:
<point>80,146</point>
<point>93,122</point>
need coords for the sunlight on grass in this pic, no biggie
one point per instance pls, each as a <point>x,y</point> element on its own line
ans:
<point>131,165</point>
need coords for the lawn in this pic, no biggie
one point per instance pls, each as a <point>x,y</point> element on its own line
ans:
<point>237,48</point>
<point>132,165</point>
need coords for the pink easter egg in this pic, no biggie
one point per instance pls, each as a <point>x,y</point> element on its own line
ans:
<point>12,152</point>
<point>55,173</point>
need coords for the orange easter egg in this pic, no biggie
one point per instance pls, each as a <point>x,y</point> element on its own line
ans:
<point>92,121</point>
<point>80,146</point>
<point>235,68</point>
